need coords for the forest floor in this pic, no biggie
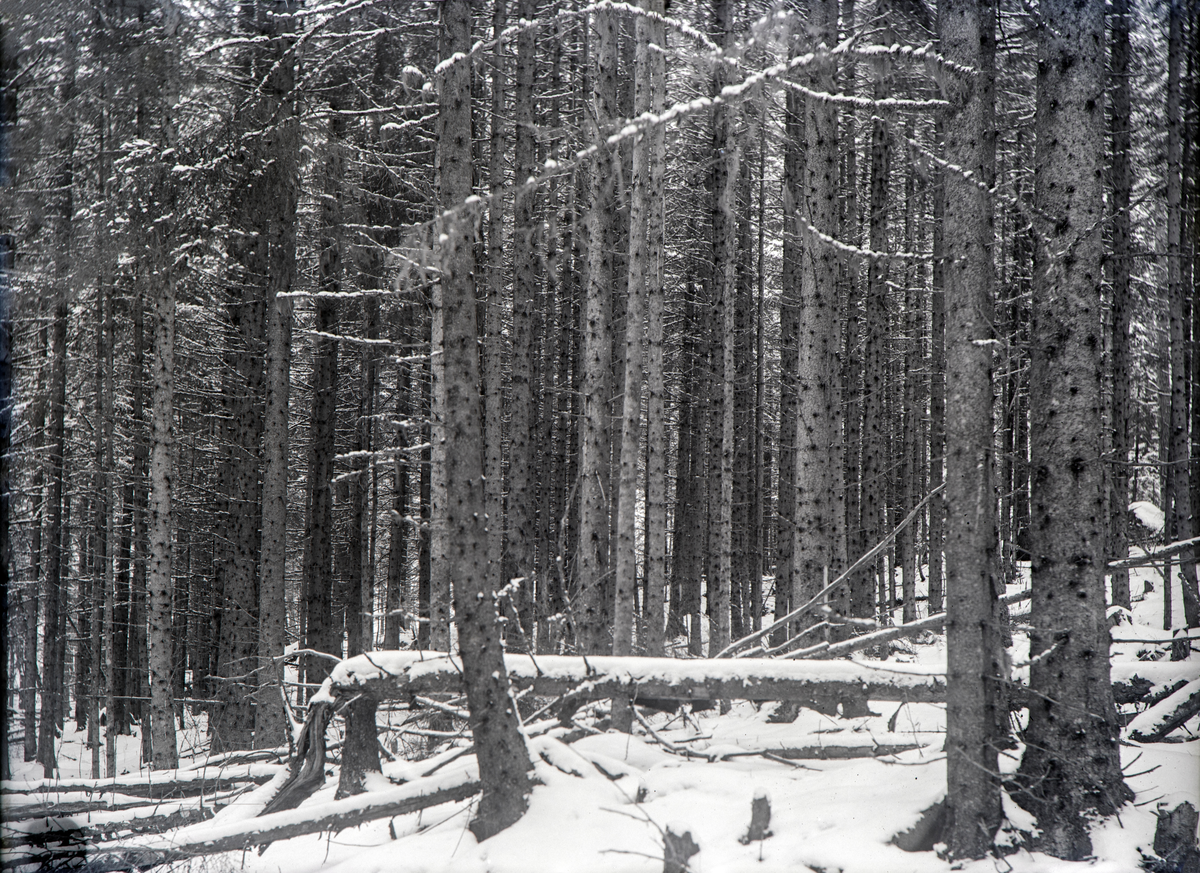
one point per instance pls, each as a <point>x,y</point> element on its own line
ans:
<point>605,800</point>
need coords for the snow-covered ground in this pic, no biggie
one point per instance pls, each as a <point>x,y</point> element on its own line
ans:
<point>605,800</point>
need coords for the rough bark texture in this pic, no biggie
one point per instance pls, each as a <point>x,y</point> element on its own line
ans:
<point>973,652</point>
<point>625,565</point>
<point>159,579</point>
<point>820,515</point>
<point>1121,269</point>
<point>1179,518</point>
<point>724,253</point>
<point>656,434</point>
<point>499,746</point>
<point>269,721</point>
<point>591,607</point>
<point>1071,765</point>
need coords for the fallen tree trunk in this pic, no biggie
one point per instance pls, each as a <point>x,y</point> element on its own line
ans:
<point>1168,714</point>
<point>159,785</point>
<point>333,816</point>
<point>398,675</point>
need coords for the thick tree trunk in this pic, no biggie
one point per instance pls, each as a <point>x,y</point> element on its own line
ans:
<point>1071,766</point>
<point>973,651</point>
<point>499,746</point>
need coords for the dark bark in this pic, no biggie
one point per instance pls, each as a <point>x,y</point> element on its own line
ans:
<point>974,655</point>
<point>500,747</point>
<point>1071,766</point>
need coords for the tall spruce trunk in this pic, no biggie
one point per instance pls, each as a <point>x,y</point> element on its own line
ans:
<point>820,511</point>
<point>1179,520</point>
<point>499,745</point>
<point>1121,302</point>
<point>789,329</point>
<point>159,577</point>
<point>270,722</point>
<point>656,434</point>
<point>591,609</point>
<point>973,652</point>
<point>1071,766</point>
<point>640,205</point>
<point>724,276</point>
<point>521,539</point>
<point>876,476</point>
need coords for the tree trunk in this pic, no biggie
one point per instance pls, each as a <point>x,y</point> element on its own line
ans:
<point>159,580</point>
<point>521,539</point>
<point>937,386</point>
<point>724,238</point>
<point>820,513</point>
<point>1179,520</point>
<point>270,723</point>
<point>500,748</point>
<point>592,565</point>
<point>640,206</point>
<point>494,339</point>
<point>1071,764</point>
<point>789,330</point>
<point>973,651</point>
<point>656,434</point>
<point>51,690</point>
<point>1121,269</point>
<point>875,465</point>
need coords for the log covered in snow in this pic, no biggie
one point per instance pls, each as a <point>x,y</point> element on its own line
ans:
<point>399,675</point>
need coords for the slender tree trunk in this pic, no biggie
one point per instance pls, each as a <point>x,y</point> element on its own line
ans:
<point>631,400</point>
<point>1179,521</point>
<point>499,746</point>
<point>789,329</point>
<point>522,430</point>
<point>1071,764</point>
<point>494,339</point>
<point>159,581</point>
<point>875,466</point>
<point>724,229</point>
<point>592,564</point>
<point>820,512</point>
<point>1121,267</point>
<point>973,653</point>
<point>937,387</point>
<point>656,434</point>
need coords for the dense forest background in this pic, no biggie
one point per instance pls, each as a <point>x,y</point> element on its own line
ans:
<point>709,351</point>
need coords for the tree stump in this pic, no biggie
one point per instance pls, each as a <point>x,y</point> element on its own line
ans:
<point>1175,838</point>
<point>678,847</point>
<point>760,819</point>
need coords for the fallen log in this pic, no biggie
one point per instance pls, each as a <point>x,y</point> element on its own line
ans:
<point>398,675</point>
<point>157,785</point>
<point>1168,714</point>
<point>333,816</point>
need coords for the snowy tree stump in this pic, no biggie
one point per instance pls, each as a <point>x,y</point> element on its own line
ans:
<point>760,819</point>
<point>678,847</point>
<point>1175,838</point>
